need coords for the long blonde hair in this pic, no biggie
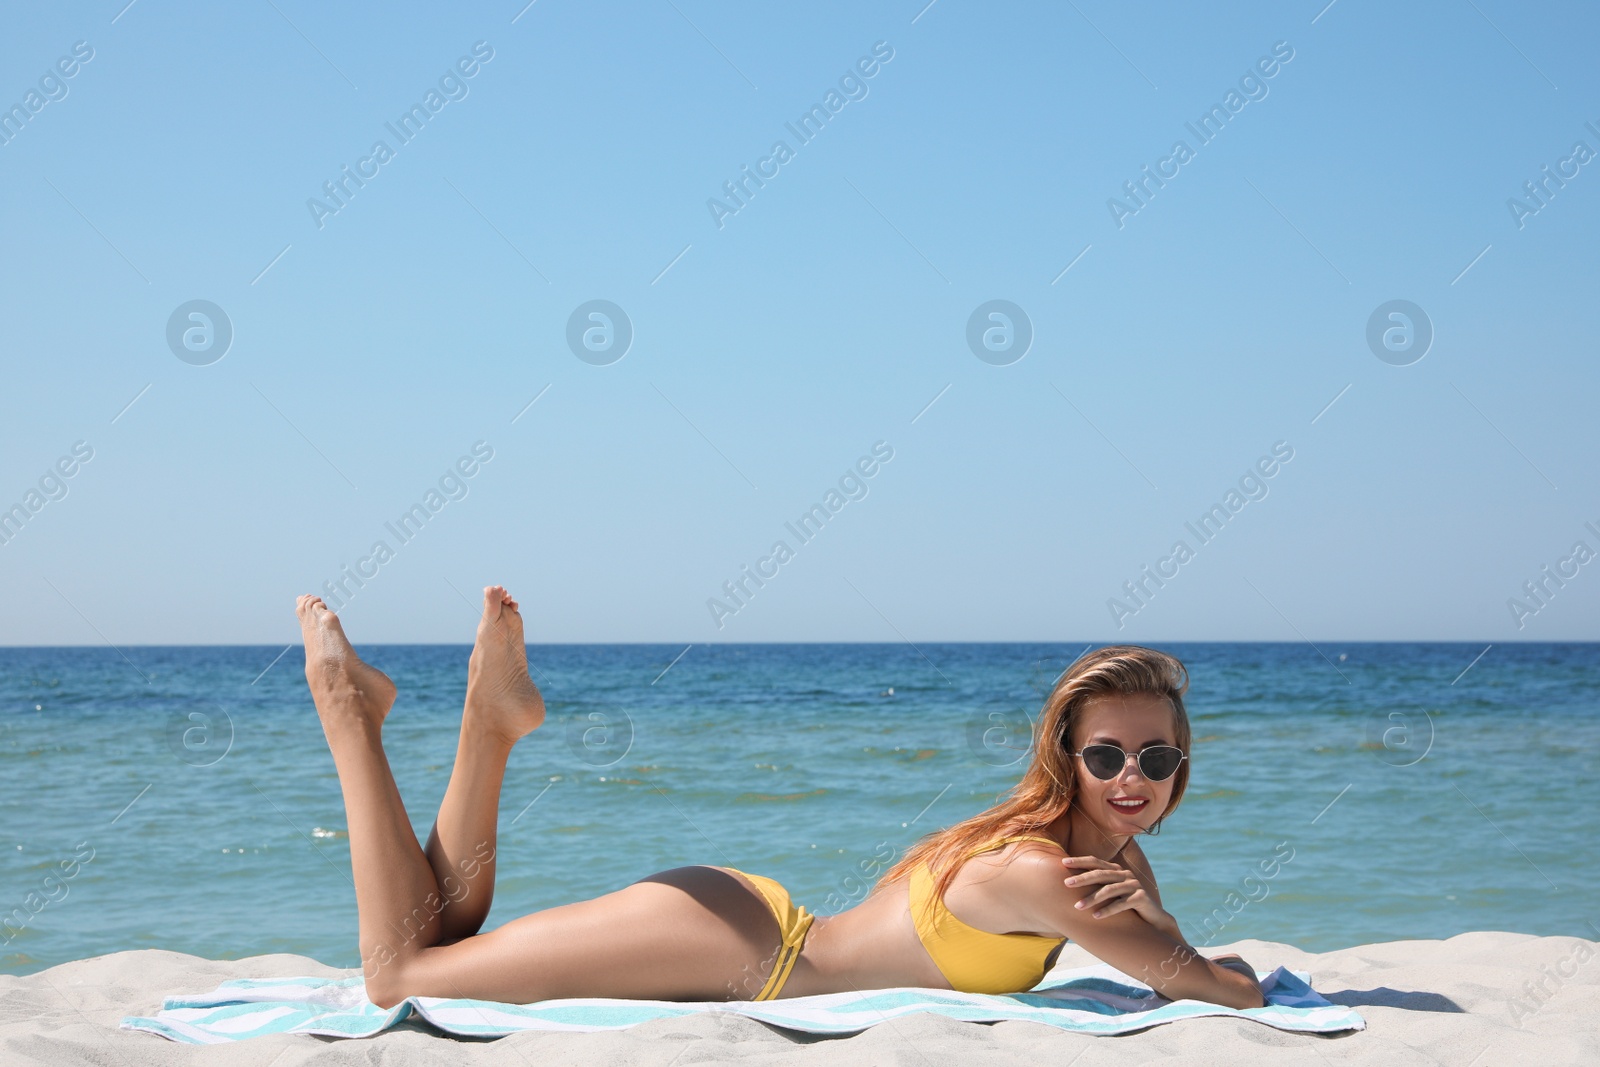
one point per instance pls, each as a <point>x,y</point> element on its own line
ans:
<point>1050,783</point>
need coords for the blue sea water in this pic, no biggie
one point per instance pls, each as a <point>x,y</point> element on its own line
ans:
<point>184,798</point>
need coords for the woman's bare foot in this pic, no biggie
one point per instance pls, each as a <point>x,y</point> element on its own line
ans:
<point>501,698</point>
<point>346,691</point>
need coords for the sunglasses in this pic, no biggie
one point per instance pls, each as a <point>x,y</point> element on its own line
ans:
<point>1157,763</point>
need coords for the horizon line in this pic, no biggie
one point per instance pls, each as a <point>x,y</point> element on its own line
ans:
<point>924,641</point>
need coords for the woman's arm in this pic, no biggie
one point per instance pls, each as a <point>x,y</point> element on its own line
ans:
<point>1133,946</point>
<point>1121,884</point>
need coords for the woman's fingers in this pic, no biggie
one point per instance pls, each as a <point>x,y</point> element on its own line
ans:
<point>1090,900</point>
<point>1120,889</point>
<point>1096,877</point>
<point>1131,902</point>
<point>1090,866</point>
<point>1112,908</point>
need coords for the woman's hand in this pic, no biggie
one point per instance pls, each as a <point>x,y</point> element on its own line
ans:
<point>1121,890</point>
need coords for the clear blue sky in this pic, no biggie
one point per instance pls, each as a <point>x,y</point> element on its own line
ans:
<point>1196,328</point>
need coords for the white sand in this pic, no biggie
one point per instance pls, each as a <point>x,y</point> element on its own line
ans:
<point>1462,1001</point>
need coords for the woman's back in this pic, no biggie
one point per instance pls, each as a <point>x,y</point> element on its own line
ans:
<point>972,958</point>
<point>903,935</point>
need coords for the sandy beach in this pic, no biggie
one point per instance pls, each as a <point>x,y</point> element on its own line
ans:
<point>1477,998</point>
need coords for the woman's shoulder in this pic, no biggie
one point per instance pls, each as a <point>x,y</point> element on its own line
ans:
<point>1032,884</point>
<point>1025,859</point>
<point>1002,854</point>
<point>1024,842</point>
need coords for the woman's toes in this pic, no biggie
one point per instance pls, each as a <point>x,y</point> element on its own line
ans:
<point>342,686</point>
<point>498,687</point>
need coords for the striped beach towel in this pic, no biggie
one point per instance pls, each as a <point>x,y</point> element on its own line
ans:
<point>1090,1000</point>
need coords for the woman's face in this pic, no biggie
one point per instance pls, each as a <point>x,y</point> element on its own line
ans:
<point>1129,803</point>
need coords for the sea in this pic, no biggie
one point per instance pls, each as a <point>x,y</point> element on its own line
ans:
<point>184,798</point>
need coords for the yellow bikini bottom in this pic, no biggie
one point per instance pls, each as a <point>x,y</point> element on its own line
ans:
<point>793,923</point>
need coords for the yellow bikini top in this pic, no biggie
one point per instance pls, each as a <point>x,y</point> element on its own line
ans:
<point>973,960</point>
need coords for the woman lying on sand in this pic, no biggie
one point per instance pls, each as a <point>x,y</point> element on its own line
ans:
<point>1055,861</point>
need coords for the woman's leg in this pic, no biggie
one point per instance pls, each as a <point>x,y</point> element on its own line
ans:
<point>397,896</point>
<point>502,705</point>
<point>692,933</point>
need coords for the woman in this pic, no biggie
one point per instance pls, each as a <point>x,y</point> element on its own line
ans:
<point>716,933</point>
